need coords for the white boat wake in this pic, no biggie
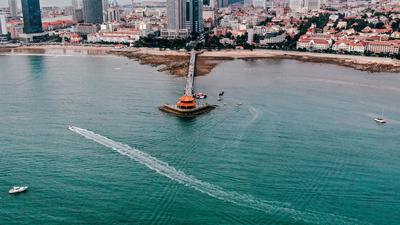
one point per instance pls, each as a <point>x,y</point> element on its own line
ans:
<point>249,201</point>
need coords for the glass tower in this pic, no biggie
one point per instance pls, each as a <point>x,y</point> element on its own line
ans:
<point>32,16</point>
<point>93,11</point>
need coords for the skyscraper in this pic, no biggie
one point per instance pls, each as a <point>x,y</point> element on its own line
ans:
<point>175,11</point>
<point>312,4</point>
<point>248,3</point>
<point>3,25</point>
<point>113,12</point>
<point>77,4</point>
<point>93,11</point>
<point>295,5</point>
<point>222,3</point>
<point>12,4</point>
<point>197,22</point>
<point>105,6</point>
<point>185,14</point>
<point>77,10</point>
<point>32,16</point>
<point>259,3</point>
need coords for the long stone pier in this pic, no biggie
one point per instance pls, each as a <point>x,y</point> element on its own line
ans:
<point>187,105</point>
<point>189,90</point>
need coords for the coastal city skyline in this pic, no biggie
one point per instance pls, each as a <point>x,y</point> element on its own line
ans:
<point>200,112</point>
<point>63,3</point>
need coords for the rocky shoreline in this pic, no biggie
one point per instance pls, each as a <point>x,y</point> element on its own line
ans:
<point>177,62</point>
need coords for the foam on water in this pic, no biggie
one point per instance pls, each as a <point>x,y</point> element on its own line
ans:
<point>255,113</point>
<point>162,168</point>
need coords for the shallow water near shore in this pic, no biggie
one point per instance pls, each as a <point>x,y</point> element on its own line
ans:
<point>302,148</point>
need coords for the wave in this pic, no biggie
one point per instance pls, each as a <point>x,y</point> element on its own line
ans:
<point>164,169</point>
<point>255,114</point>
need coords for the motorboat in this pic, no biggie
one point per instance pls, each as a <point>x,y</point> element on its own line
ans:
<point>201,96</point>
<point>16,190</point>
<point>380,120</point>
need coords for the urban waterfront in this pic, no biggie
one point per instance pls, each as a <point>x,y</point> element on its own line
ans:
<point>300,148</point>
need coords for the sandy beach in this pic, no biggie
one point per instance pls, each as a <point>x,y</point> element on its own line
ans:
<point>176,62</point>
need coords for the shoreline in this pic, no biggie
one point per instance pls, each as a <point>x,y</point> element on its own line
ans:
<point>177,62</point>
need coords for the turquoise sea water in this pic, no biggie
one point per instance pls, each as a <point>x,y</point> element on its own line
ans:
<point>301,149</point>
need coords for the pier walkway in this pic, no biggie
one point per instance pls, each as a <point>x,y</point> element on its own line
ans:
<point>187,105</point>
<point>189,89</point>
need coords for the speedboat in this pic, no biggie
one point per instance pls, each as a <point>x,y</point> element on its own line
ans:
<point>16,190</point>
<point>380,120</point>
<point>201,96</point>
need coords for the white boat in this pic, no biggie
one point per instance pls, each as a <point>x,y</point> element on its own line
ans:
<point>16,190</point>
<point>201,96</point>
<point>380,120</point>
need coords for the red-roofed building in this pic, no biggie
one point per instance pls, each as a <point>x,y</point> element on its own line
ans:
<point>311,44</point>
<point>59,24</point>
<point>390,47</point>
<point>346,45</point>
<point>315,42</point>
<point>72,37</point>
<point>115,37</point>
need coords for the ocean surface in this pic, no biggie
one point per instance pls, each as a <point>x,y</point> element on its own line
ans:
<point>302,148</point>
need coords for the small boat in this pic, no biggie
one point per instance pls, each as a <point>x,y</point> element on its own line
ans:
<point>201,96</point>
<point>380,120</point>
<point>219,99</point>
<point>239,104</point>
<point>16,190</point>
<point>221,93</point>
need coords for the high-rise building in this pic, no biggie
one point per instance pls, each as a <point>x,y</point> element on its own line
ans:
<point>77,10</point>
<point>269,3</point>
<point>248,3</point>
<point>105,6</point>
<point>185,14</point>
<point>222,3</point>
<point>197,22</point>
<point>113,12</point>
<point>12,4</point>
<point>295,5</point>
<point>32,16</point>
<point>259,3</point>
<point>93,11</point>
<point>77,4</point>
<point>3,24</point>
<point>175,13</point>
<point>312,4</point>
